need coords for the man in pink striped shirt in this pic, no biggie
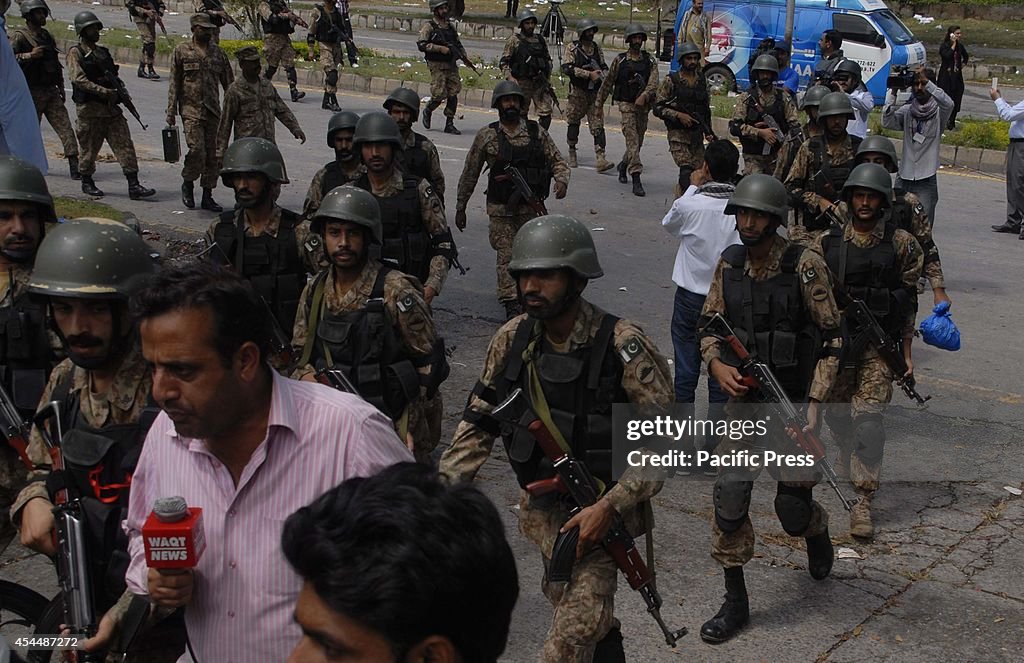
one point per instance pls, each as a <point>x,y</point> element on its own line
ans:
<point>249,447</point>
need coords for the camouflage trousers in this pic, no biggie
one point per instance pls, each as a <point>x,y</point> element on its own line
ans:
<point>501,232</point>
<point>331,57</point>
<point>278,50</point>
<point>538,95</point>
<point>147,33</point>
<point>49,103</point>
<point>582,104</point>
<point>860,395</point>
<point>755,163</point>
<point>445,83</point>
<point>634,126</point>
<point>92,131</point>
<point>425,416</point>
<point>686,147</point>
<point>201,159</point>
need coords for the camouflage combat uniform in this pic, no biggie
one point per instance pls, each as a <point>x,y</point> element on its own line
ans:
<point>626,82</point>
<point>193,93</point>
<point>735,548</point>
<point>327,28</point>
<point>146,25</point>
<point>914,219</point>
<point>758,155</point>
<point>807,182</point>
<point>317,189</point>
<point>787,153</point>
<point>445,82</point>
<point>406,310</point>
<point>277,43</point>
<point>204,7</point>
<point>527,61</point>
<point>678,94</point>
<point>578,63</point>
<point>45,82</point>
<point>505,219</point>
<point>583,607</point>
<point>421,146</point>
<point>251,108</point>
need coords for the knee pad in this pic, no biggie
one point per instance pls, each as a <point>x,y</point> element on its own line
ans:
<point>332,78</point>
<point>269,73</point>
<point>869,436</point>
<point>600,140</point>
<point>793,507</point>
<point>840,423</point>
<point>732,501</point>
<point>572,134</point>
<point>452,102</point>
<point>293,77</point>
<point>609,649</point>
<point>149,49</point>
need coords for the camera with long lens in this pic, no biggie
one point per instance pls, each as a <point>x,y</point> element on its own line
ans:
<point>900,78</point>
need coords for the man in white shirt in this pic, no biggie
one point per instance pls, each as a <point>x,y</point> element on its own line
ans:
<point>698,219</point>
<point>1014,164</point>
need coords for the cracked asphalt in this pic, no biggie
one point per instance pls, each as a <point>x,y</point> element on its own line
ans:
<point>941,580</point>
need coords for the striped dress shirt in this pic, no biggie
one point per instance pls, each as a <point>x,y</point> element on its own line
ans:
<point>245,590</point>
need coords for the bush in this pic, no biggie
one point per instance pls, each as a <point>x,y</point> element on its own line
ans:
<point>986,134</point>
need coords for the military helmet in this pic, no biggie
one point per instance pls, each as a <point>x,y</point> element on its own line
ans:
<point>526,15</point>
<point>254,155</point>
<point>687,48</point>
<point>91,259</point>
<point>760,192</point>
<point>434,4</point>
<point>634,29</point>
<point>869,176</point>
<point>765,62</point>
<point>835,103</point>
<point>84,19</point>
<point>406,97</point>
<point>585,24</point>
<point>879,144</point>
<point>813,96</point>
<point>28,6</point>
<point>847,66</point>
<point>377,127</point>
<point>20,180</point>
<point>338,121</point>
<point>505,89</point>
<point>555,241</point>
<point>349,203</point>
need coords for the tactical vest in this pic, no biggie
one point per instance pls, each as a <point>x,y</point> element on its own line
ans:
<point>870,275</point>
<point>406,245</point>
<point>831,174</point>
<point>367,346</point>
<point>691,100</point>
<point>583,61</point>
<point>334,176</point>
<point>414,160</point>
<point>530,58</point>
<point>329,27</point>
<point>444,36</point>
<point>44,72</point>
<point>98,468</point>
<point>95,67</point>
<point>632,77</point>
<point>771,320</point>
<point>271,264</point>
<point>777,110</point>
<point>530,161</point>
<point>277,25</point>
<point>579,387</point>
<point>24,352</point>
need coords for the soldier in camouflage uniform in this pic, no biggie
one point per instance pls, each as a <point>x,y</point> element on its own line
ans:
<point>419,155</point>
<point>251,104</point>
<point>217,13</point>
<point>380,328</point>
<point>785,292</point>
<point>439,41</point>
<point>632,81</point>
<point>759,106</point>
<point>822,164</point>
<point>417,239</point>
<point>908,212</point>
<point>553,259</point>
<point>882,265</point>
<point>198,67</point>
<point>527,62</point>
<point>327,29</point>
<point>145,13</point>
<point>347,164</point>
<point>684,104</point>
<point>36,52</point>
<point>96,104</point>
<point>278,23</point>
<point>585,66</point>
<point>523,143</point>
<point>809,105</point>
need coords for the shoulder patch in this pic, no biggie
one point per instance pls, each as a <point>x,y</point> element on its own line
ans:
<point>406,303</point>
<point>918,208</point>
<point>809,275</point>
<point>632,349</point>
<point>312,243</point>
<point>645,371</point>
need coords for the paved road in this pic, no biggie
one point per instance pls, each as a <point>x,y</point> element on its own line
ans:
<point>942,578</point>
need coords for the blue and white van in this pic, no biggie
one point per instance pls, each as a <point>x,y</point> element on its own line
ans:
<point>872,35</point>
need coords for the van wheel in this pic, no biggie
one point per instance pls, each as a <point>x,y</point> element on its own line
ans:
<point>720,79</point>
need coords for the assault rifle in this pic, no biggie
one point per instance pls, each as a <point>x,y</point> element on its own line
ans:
<point>218,6</point>
<point>458,51</point>
<point>336,378</point>
<point>888,349</point>
<point>280,342</point>
<point>673,123</point>
<point>15,429</point>
<point>554,95</point>
<point>114,82</point>
<point>522,189</point>
<point>295,19</point>
<point>757,375</point>
<point>573,479</point>
<point>160,21</point>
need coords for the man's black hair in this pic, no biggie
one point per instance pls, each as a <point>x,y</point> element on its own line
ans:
<point>723,160</point>
<point>834,38</point>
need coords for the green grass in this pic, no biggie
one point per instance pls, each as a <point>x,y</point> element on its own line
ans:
<point>73,208</point>
<point>985,134</point>
<point>976,32</point>
<point>493,11</point>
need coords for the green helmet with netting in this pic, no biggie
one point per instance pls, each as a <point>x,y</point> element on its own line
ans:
<point>869,176</point>
<point>340,120</point>
<point>377,127</point>
<point>406,97</point>
<point>585,24</point>
<point>835,103</point>
<point>813,96</point>
<point>253,155</point>
<point>687,48</point>
<point>349,203</point>
<point>505,89</point>
<point>524,16</point>
<point>880,145</point>
<point>765,62</point>
<point>434,4</point>
<point>634,29</point>
<point>555,241</point>
<point>20,180</point>
<point>760,192</point>
<point>29,6</point>
<point>84,19</point>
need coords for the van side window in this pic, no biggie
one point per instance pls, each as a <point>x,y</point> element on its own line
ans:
<point>855,28</point>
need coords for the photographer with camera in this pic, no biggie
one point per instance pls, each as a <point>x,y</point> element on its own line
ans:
<point>922,118</point>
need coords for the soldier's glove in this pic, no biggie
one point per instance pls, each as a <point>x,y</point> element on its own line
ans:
<point>460,219</point>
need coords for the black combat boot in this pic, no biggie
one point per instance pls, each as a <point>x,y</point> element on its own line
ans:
<point>449,127</point>
<point>609,649</point>
<point>332,103</point>
<point>427,112</point>
<point>296,93</point>
<point>135,190</point>
<point>622,172</point>
<point>638,187</point>
<point>819,555</point>
<point>73,168</point>
<point>208,203</point>
<point>153,76</point>
<point>1007,227</point>
<point>734,613</point>
<point>89,187</point>
<point>188,195</point>
<point>323,104</point>
<point>142,70</point>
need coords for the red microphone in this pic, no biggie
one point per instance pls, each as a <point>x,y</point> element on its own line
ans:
<point>173,535</point>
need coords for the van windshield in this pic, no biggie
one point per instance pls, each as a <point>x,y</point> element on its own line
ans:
<point>893,27</point>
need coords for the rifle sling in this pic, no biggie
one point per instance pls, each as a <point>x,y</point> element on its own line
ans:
<point>314,319</point>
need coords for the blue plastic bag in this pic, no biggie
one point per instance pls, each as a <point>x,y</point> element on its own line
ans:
<point>939,330</point>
